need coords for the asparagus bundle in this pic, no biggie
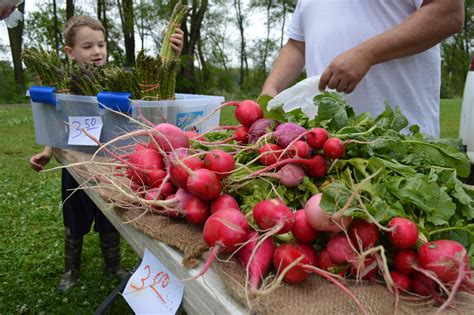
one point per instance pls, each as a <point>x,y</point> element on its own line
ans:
<point>171,63</point>
<point>49,69</point>
<point>148,70</point>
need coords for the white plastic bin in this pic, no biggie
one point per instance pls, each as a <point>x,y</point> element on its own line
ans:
<point>466,128</point>
<point>50,116</point>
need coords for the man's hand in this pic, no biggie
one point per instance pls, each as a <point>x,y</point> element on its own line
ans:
<point>346,71</point>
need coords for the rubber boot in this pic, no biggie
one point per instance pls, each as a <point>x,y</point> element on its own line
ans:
<point>110,246</point>
<point>72,262</point>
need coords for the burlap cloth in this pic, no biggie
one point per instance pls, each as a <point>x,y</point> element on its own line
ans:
<point>313,296</point>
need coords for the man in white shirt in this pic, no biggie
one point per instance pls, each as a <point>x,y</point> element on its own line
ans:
<point>373,50</point>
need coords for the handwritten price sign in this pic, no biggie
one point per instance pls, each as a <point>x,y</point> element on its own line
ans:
<point>153,289</point>
<point>77,125</point>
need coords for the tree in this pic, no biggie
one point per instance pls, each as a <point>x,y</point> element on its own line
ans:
<point>241,16</point>
<point>192,36</point>
<point>15,35</point>
<point>56,32</point>
<point>456,52</point>
<point>69,9</point>
<point>125,8</point>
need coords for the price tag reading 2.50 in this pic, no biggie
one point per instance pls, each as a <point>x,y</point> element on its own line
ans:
<point>78,124</point>
<point>153,289</point>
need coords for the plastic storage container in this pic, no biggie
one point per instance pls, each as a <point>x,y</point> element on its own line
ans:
<point>52,112</point>
<point>466,128</point>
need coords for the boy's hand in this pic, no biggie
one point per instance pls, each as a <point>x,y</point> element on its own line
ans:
<point>176,41</point>
<point>38,161</point>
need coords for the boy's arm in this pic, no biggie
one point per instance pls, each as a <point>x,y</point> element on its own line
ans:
<point>39,161</point>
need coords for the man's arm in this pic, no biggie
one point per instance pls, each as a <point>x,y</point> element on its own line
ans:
<point>435,21</point>
<point>286,68</point>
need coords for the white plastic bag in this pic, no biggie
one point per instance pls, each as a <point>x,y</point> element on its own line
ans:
<point>16,16</point>
<point>298,96</point>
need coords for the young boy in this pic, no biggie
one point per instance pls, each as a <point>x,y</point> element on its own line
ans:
<point>85,43</point>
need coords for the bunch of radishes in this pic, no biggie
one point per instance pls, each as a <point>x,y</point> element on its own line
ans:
<point>177,180</point>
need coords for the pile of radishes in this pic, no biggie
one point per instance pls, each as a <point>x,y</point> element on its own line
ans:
<point>183,175</point>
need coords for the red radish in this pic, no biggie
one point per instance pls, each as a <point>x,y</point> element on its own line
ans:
<point>223,202</point>
<point>247,112</point>
<point>155,178</point>
<point>365,271</point>
<point>327,264</point>
<point>299,149</point>
<point>400,280</point>
<point>322,221</point>
<point>269,153</point>
<point>340,250</point>
<point>334,148</point>
<point>285,255</point>
<point>204,183</point>
<point>273,214</point>
<point>316,137</point>
<point>260,128</point>
<point>241,134</point>
<point>224,231</point>
<point>363,233</point>
<point>176,213</point>
<point>404,260</point>
<point>193,135</point>
<point>196,210</point>
<point>139,146</point>
<point>169,136</point>
<point>445,258</point>
<point>315,166</point>
<point>178,174</point>
<point>422,285</point>
<point>257,259</point>
<point>286,132</point>
<point>404,233</point>
<point>301,230</point>
<point>144,160</point>
<point>290,175</point>
<point>221,162</point>
<point>309,251</point>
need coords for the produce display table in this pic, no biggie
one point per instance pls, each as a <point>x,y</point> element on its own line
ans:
<point>205,295</point>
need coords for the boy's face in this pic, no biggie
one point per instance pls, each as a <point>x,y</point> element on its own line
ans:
<point>89,47</point>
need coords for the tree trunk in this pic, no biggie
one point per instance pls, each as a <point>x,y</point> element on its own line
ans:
<point>102,17</point>
<point>15,35</point>
<point>283,16</point>
<point>192,36</point>
<point>267,39</point>
<point>243,55</point>
<point>69,9</point>
<point>126,16</point>
<point>56,27</point>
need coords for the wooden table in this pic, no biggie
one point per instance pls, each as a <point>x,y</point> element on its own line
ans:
<point>206,295</point>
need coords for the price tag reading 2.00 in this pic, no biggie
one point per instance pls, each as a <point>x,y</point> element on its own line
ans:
<point>153,289</point>
<point>78,124</point>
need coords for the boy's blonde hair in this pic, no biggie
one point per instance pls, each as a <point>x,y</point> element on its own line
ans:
<point>75,23</point>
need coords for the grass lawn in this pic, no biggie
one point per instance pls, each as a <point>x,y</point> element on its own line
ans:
<point>31,228</point>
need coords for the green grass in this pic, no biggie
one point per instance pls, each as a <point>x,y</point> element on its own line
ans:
<point>31,227</point>
<point>450,114</point>
<point>31,230</point>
